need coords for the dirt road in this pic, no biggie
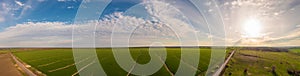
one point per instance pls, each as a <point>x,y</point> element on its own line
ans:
<point>7,67</point>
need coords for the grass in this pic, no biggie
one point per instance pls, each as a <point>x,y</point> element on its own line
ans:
<point>295,51</point>
<point>53,58</point>
<point>261,63</point>
<point>3,51</point>
<point>47,60</point>
<point>244,62</point>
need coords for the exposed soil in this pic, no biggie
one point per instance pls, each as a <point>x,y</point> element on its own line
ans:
<point>7,67</point>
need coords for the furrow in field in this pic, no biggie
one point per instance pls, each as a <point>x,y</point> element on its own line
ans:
<point>44,65</point>
<point>83,68</point>
<point>41,59</point>
<point>73,64</point>
<point>47,64</point>
<point>62,68</point>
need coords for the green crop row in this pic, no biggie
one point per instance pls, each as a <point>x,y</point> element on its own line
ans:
<point>60,62</point>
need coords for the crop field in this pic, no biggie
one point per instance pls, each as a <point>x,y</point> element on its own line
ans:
<point>60,62</point>
<point>264,63</point>
<point>295,50</point>
<point>3,51</point>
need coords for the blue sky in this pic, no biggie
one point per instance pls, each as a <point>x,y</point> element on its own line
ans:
<point>50,22</point>
<point>51,10</point>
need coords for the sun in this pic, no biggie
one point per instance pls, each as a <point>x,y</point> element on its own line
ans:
<point>252,28</point>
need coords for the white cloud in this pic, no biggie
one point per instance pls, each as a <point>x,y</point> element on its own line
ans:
<point>61,0</point>
<point>70,7</point>
<point>41,0</point>
<point>19,3</point>
<point>58,34</point>
<point>2,19</point>
<point>162,28</point>
<point>5,10</point>
<point>12,10</point>
<point>289,39</point>
<point>68,0</point>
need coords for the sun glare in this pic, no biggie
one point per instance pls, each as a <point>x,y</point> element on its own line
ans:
<point>252,28</point>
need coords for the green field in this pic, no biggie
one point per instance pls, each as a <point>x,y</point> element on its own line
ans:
<point>59,62</point>
<point>295,51</point>
<point>263,63</point>
<point>3,51</point>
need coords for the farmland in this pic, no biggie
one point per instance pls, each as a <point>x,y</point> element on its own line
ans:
<point>264,63</point>
<point>295,51</point>
<point>57,62</point>
<point>60,62</point>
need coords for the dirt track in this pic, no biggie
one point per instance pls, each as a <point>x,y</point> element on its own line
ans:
<point>7,67</point>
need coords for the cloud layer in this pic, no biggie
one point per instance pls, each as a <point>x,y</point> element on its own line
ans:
<point>162,22</point>
<point>120,28</point>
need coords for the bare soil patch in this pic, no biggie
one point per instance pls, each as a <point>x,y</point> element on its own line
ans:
<point>7,67</point>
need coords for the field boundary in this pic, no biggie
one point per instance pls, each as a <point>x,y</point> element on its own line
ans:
<point>166,67</point>
<point>219,71</point>
<point>22,66</point>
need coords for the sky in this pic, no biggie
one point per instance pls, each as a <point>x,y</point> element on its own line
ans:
<point>52,23</point>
